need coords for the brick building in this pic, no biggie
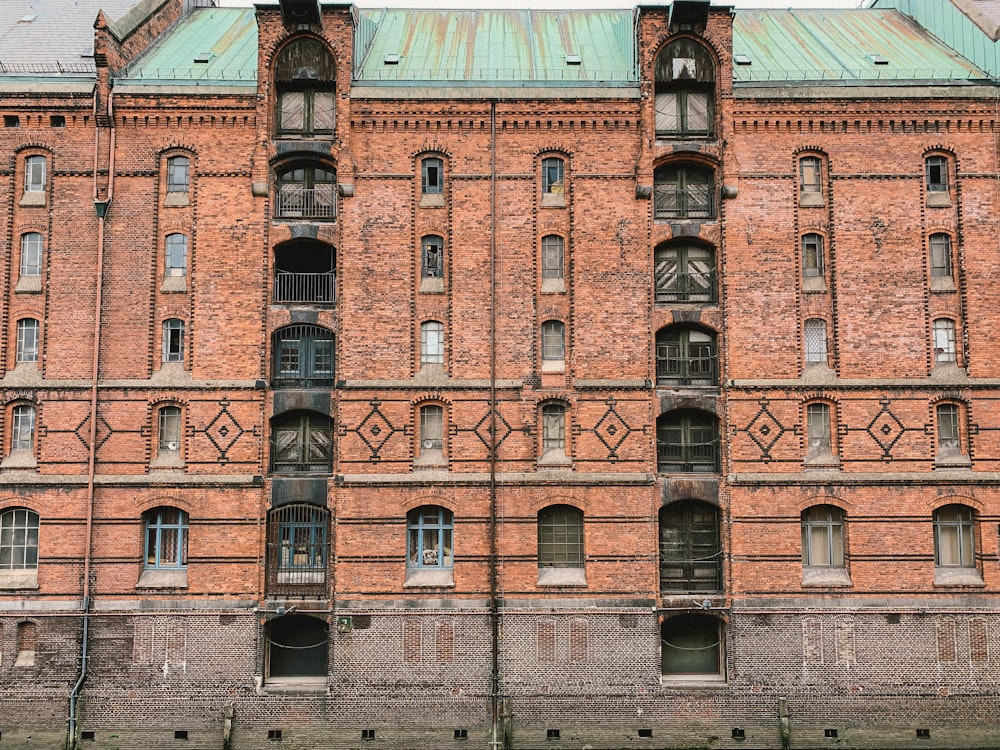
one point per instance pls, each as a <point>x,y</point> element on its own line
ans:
<point>511,379</point>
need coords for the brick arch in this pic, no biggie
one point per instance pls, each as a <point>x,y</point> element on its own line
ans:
<point>144,504</point>
<point>437,501</point>
<point>30,503</point>
<point>667,38</point>
<point>955,498</point>
<point>434,149</point>
<point>811,501</point>
<point>547,501</point>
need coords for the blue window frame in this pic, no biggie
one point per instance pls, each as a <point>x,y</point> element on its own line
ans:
<point>166,539</point>
<point>429,538</point>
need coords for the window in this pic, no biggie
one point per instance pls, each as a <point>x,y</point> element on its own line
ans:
<point>815,341</point>
<point>552,176</point>
<point>297,548</point>
<point>949,431</point>
<point>954,542</point>
<point>691,647</point>
<point>173,340</point>
<point>431,431</point>
<point>305,75</point>
<point>940,245</point>
<point>306,191</point>
<point>560,538</point>
<point>31,254</point>
<point>166,538</point>
<point>429,538</point>
<point>683,191</point>
<point>690,550</point>
<point>302,442</point>
<point>810,181</point>
<point>823,537</point>
<point>34,174</point>
<point>432,257</point>
<point>685,89</point>
<point>820,443</point>
<point>305,272</point>
<point>687,442</point>
<point>553,428</point>
<point>431,343</point>
<point>553,260</point>
<point>297,650</point>
<point>553,342</point>
<point>178,174</point>
<point>22,428</point>
<point>812,255</point>
<point>432,176</point>
<point>27,340</point>
<point>176,248</point>
<point>18,539</point>
<point>944,341</point>
<point>686,356</point>
<point>937,174</point>
<point>303,357</point>
<point>684,273</point>
<point>168,430</point>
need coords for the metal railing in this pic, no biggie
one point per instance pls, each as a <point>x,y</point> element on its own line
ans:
<point>687,458</point>
<point>694,201</point>
<point>305,288</point>
<point>674,370</point>
<point>297,551</point>
<point>298,202</point>
<point>694,574</point>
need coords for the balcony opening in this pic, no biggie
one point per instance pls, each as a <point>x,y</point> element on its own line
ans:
<point>305,273</point>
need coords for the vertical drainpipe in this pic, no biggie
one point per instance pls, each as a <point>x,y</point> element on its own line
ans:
<point>101,207</point>
<point>496,729</point>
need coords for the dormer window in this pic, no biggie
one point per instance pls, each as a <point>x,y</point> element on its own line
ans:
<point>685,91</point>
<point>305,79</point>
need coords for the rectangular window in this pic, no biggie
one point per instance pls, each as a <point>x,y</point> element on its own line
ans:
<point>553,427</point>
<point>553,342</point>
<point>169,429</point>
<point>552,257</point>
<point>31,254</point>
<point>22,428</point>
<point>27,340</point>
<point>944,341</point>
<point>810,176</point>
<point>940,255</point>
<point>431,428</point>
<point>948,429</point>
<point>431,343</point>
<point>34,174</point>
<point>552,176</point>
<point>176,255</point>
<point>815,341</point>
<point>432,176</point>
<point>818,418</point>
<point>178,174</point>
<point>812,255</point>
<point>432,257</point>
<point>937,174</point>
<point>173,340</point>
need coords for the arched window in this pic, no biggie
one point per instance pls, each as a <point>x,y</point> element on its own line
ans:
<point>432,176</point>
<point>431,343</point>
<point>429,538</point>
<point>166,538</point>
<point>35,168</point>
<point>305,79</point>
<point>823,537</point>
<point>815,341</point>
<point>303,357</point>
<point>951,435</point>
<point>27,340</point>
<point>18,539</point>
<point>684,272</point>
<point>690,549</point>
<point>306,190</point>
<point>305,273</point>
<point>683,190</point>
<point>297,548</point>
<point>178,174</point>
<point>553,341</point>
<point>302,442</point>
<point>553,176</point>
<point>432,257</point>
<point>22,433</point>
<point>691,647</point>
<point>687,441</point>
<point>27,644</point>
<point>940,250</point>
<point>173,340</point>
<point>560,537</point>
<point>810,181</point>
<point>686,356</point>
<point>32,244</point>
<point>168,430</point>
<point>175,255</point>
<point>431,448</point>
<point>820,447</point>
<point>685,90</point>
<point>553,428</point>
<point>944,341</point>
<point>553,257</point>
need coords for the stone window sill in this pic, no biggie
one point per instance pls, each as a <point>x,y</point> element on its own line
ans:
<point>429,578</point>
<point>825,577</point>
<point>163,579</point>
<point>562,577</point>
<point>18,579</point>
<point>958,576</point>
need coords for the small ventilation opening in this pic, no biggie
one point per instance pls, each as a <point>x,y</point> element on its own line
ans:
<point>552,734</point>
<point>832,733</point>
<point>739,733</point>
<point>461,734</point>
<point>180,734</point>
<point>645,732</point>
<point>391,59</point>
<point>923,734</point>
<point>11,121</point>
<point>367,734</point>
<point>274,735</point>
<point>87,735</point>
<point>57,121</point>
<point>574,60</point>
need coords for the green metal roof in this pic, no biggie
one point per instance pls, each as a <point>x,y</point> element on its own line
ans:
<point>971,28</point>
<point>496,46</point>
<point>841,45</point>
<point>210,46</point>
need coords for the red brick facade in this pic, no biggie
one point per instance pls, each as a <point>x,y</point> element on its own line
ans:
<point>739,487</point>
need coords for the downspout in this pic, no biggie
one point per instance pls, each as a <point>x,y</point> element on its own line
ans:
<point>101,207</point>
<point>496,729</point>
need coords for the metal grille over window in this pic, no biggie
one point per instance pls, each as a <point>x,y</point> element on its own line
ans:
<point>683,191</point>
<point>297,550</point>
<point>686,356</point>
<point>303,357</point>
<point>815,341</point>
<point>690,554</point>
<point>684,273</point>
<point>687,442</point>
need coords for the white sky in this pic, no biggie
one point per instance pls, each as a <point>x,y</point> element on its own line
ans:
<point>569,4</point>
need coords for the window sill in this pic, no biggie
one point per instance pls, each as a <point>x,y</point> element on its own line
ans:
<point>163,579</point>
<point>939,199</point>
<point>553,200</point>
<point>811,199</point>
<point>420,578</point>
<point>292,684</point>
<point>825,461</point>
<point>431,459</point>
<point>554,365</point>
<point>432,285</point>
<point>174,284</point>
<point>707,681</point>
<point>21,459</point>
<point>968,577</point>
<point>167,460</point>
<point>943,284</point>
<point>553,286</point>
<point>562,577</point>
<point>432,200</point>
<point>176,198</point>
<point>952,461</point>
<point>25,659</point>
<point>29,284</point>
<point>555,458</point>
<point>825,577</point>
<point>33,198</point>
<point>18,579</point>
<point>813,284</point>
